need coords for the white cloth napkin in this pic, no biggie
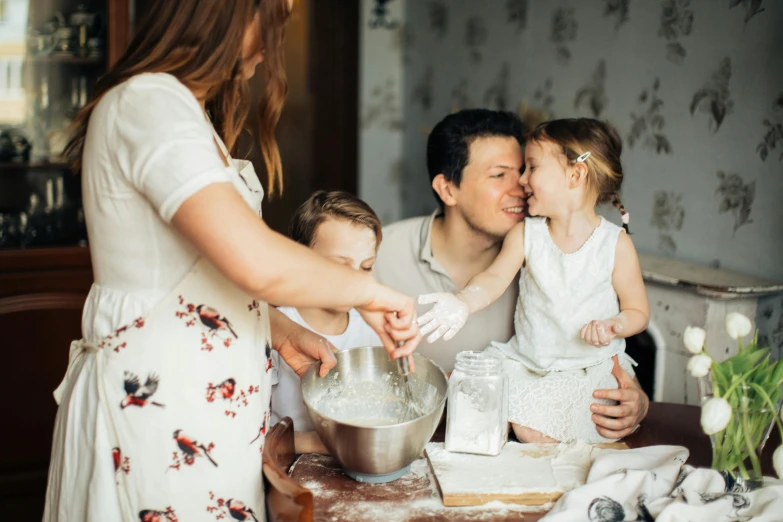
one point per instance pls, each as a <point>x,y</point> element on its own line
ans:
<point>653,483</point>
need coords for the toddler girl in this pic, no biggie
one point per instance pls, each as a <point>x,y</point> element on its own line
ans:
<point>580,290</point>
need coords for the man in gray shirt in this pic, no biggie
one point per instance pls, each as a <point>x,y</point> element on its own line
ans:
<point>475,159</point>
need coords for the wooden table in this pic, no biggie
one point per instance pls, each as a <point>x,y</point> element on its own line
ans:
<point>317,489</point>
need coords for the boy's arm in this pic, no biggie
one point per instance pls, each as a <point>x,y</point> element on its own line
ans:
<point>308,442</point>
<point>451,311</point>
<point>634,309</point>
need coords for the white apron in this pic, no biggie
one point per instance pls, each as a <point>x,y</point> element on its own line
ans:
<point>183,395</point>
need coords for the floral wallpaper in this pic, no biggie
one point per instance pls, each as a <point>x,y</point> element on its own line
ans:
<point>381,15</point>
<point>647,128</point>
<point>751,7</point>
<point>714,98</point>
<point>668,215</point>
<point>773,132</point>
<point>695,88</point>
<point>593,95</point>
<point>563,33</point>
<point>386,44</point>
<point>676,25</point>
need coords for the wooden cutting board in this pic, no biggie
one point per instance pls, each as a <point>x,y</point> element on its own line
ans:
<point>528,474</point>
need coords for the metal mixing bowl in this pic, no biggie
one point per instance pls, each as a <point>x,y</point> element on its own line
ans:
<point>366,388</point>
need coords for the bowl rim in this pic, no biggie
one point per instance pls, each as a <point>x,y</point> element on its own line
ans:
<point>317,365</point>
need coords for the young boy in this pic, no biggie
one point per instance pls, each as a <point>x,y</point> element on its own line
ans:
<point>341,227</point>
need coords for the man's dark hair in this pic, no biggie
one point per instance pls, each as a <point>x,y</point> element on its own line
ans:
<point>448,145</point>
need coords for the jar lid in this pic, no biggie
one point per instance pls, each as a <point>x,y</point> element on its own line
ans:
<point>478,362</point>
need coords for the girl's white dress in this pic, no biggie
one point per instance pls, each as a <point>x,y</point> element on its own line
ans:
<point>552,370</point>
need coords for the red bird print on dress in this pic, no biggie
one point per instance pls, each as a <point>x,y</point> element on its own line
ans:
<point>226,388</point>
<point>212,319</point>
<point>152,515</point>
<point>115,455</point>
<point>139,395</point>
<point>262,431</point>
<point>149,515</point>
<point>240,511</point>
<point>191,448</point>
<point>121,463</point>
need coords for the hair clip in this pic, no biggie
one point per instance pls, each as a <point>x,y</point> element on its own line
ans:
<point>626,218</point>
<point>583,157</point>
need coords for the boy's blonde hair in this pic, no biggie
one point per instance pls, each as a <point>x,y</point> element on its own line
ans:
<point>575,136</point>
<point>323,205</point>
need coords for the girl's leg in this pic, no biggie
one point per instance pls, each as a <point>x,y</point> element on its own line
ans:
<point>525,434</point>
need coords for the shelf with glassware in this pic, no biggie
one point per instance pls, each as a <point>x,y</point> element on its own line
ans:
<point>40,200</point>
<point>66,55</point>
<point>67,60</point>
<point>41,208</point>
<point>32,165</point>
<point>79,36</point>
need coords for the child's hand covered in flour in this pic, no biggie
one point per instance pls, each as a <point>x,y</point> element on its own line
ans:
<point>451,311</point>
<point>601,333</point>
<point>444,319</point>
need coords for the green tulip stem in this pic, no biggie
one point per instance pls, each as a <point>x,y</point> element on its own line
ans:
<point>754,459</point>
<point>773,408</point>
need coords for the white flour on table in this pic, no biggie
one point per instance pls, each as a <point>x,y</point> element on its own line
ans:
<point>411,507</point>
<point>519,469</point>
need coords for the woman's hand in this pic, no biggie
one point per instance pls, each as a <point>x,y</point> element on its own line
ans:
<point>391,314</point>
<point>298,346</point>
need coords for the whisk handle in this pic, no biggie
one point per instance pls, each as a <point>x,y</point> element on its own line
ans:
<point>403,364</point>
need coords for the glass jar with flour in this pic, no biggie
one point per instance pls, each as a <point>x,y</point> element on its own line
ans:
<point>477,416</point>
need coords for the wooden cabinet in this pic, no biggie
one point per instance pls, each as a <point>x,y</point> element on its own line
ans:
<point>42,292</point>
<point>51,54</point>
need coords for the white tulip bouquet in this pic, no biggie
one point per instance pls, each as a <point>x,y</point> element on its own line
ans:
<point>741,402</point>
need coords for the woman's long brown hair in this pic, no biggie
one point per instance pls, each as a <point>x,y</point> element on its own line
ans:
<point>200,43</point>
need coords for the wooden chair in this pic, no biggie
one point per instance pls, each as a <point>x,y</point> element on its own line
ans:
<point>37,330</point>
<point>48,301</point>
<point>286,501</point>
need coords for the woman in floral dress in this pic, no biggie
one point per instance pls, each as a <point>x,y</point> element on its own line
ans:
<point>165,405</point>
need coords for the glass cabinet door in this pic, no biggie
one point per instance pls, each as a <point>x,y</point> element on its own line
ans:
<point>51,54</point>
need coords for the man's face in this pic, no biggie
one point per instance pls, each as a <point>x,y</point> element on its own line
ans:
<point>490,198</point>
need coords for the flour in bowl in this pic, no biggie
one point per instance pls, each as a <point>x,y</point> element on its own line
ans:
<point>378,402</point>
